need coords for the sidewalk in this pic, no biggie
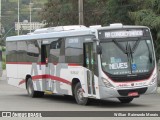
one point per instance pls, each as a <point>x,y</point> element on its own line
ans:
<point>158,89</point>
<point>3,75</point>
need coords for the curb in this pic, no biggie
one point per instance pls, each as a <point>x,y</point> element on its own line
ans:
<point>3,75</point>
<point>158,89</point>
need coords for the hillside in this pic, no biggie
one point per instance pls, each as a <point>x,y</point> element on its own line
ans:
<point>10,12</point>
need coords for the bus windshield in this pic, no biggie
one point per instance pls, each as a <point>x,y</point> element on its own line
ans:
<point>127,57</point>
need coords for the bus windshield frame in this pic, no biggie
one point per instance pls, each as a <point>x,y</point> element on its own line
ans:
<point>128,46</point>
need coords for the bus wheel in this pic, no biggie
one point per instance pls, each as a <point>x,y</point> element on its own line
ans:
<point>78,92</point>
<point>31,91</point>
<point>125,99</point>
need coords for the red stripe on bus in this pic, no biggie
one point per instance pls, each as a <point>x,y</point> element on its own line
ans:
<point>72,64</point>
<point>37,77</point>
<point>51,77</point>
<point>39,63</point>
<point>60,79</point>
<point>22,81</point>
<point>19,63</point>
<point>25,63</point>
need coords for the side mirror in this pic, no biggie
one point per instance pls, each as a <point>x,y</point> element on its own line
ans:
<point>99,49</point>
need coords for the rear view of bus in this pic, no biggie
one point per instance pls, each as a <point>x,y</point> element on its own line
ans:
<point>128,64</point>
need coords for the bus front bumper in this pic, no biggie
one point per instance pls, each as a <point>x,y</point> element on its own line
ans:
<point>123,92</point>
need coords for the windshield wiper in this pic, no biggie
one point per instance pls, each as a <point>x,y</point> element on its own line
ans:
<point>119,46</point>
<point>135,46</point>
<point>131,52</point>
<point>129,55</point>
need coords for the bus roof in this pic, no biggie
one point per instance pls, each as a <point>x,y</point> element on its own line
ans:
<point>121,27</point>
<point>67,31</point>
<point>49,35</point>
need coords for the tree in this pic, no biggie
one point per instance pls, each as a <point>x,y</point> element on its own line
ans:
<point>65,12</point>
<point>95,12</point>
<point>10,13</point>
<point>118,11</point>
<point>60,12</point>
<point>148,14</point>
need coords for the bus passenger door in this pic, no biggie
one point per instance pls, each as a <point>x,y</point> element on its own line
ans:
<point>45,49</point>
<point>90,62</point>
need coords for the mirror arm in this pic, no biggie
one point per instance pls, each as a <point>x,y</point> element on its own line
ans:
<point>99,49</point>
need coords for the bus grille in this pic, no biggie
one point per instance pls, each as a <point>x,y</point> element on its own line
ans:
<point>125,92</point>
<point>126,78</point>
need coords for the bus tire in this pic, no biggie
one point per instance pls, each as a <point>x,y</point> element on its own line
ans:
<point>78,93</point>
<point>125,99</point>
<point>30,89</point>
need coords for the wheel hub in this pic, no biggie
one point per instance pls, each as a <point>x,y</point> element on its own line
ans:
<point>80,94</point>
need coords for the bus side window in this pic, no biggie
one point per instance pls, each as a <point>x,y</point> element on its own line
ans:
<point>11,53</point>
<point>33,51</point>
<point>74,50</point>
<point>54,51</point>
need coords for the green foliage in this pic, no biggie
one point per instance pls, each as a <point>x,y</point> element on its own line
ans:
<point>3,62</point>
<point>65,12</point>
<point>3,49</point>
<point>10,13</point>
<point>148,14</point>
<point>117,11</point>
<point>2,43</point>
<point>95,12</point>
<point>60,12</point>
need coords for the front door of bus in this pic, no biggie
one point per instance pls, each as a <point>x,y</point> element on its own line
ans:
<point>45,49</point>
<point>90,62</point>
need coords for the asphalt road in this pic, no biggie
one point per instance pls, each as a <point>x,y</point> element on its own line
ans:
<point>12,98</point>
<point>16,99</point>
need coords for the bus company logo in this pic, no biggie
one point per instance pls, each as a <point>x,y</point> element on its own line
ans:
<point>123,85</point>
<point>6,114</point>
<point>75,72</point>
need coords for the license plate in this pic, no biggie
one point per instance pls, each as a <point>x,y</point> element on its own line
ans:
<point>132,94</point>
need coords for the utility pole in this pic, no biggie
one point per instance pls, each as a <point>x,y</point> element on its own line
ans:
<point>0,17</point>
<point>0,39</point>
<point>81,17</point>
<point>18,18</point>
<point>30,14</point>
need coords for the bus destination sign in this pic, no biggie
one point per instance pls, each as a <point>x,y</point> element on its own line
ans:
<point>123,34</point>
<point>120,34</point>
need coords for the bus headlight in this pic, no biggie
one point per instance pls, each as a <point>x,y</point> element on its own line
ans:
<point>154,79</point>
<point>107,83</point>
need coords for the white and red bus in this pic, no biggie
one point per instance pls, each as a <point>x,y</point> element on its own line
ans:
<point>115,61</point>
